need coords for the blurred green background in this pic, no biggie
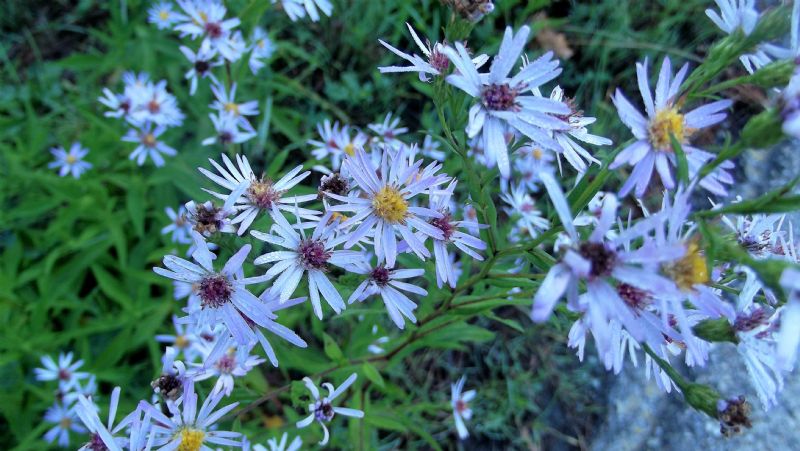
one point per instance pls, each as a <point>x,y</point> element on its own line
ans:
<point>75,270</point>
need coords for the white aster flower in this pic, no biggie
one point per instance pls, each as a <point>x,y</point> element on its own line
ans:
<point>460,400</point>
<point>228,131</point>
<point>336,143</point>
<point>88,389</point>
<point>65,372</point>
<point>385,209</point>
<point>502,104</point>
<point>179,226</point>
<point>282,445</point>
<point>388,283</point>
<point>436,62</point>
<point>524,207</point>
<point>653,146</point>
<point>322,409</point>
<point>297,9</point>
<point>162,15</point>
<point>207,19</point>
<point>149,145</point>
<point>70,162</point>
<point>261,48</point>
<point>791,108</point>
<point>202,62</point>
<point>234,362</point>
<point>789,334</point>
<point>225,103</point>
<point>260,193</point>
<point>223,294</point>
<point>305,255</point>
<point>568,139</point>
<point>101,435</point>
<point>190,428</point>
<point>531,162</point>
<point>208,219</point>
<point>152,103</point>
<point>389,130</point>
<point>65,420</point>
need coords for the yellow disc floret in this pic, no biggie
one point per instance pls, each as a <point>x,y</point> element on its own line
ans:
<point>191,439</point>
<point>389,205</point>
<point>667,122</point>
<point>689,270</point>
<point>163,14</point>
<point>71,159</point>
<point>350,149</point>
<point>181,342</point>
<point>232,108</point>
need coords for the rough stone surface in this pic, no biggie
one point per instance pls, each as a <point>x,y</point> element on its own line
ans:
<point>641,417</point>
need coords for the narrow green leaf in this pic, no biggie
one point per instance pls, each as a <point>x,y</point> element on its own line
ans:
<point>373,374</point>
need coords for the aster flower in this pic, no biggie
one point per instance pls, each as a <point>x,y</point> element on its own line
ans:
<point>262,48</point>
<point>322,409</point>
<point>789,335</point>
<point>225,103</point>
<point>207,19</point>
<point>388,130</point>
<point>70,162</point>
<point>152,103</point>
<point>336,143</point>
<point>101,435</point>
<point>445,269</point>
<point>260,194</point>
<point>88,389</point>
<point>234,362</point>
<point>223,294</point>
<point>530,163</point>
<point>65,372</point>
<point>228,131</point>
<point>179,226</point>
<point>460,400</point>
<point>162,15</point>
<point>305,255</point>
<point>139,436</point>
<point>791,108</point>
<point>282,445</point>
<point>149,144</point>
<point>653,147</point>
<point>202,62</point>
<point>501,105</point>
<point>435,62</point>
<point>523,206</point>
<point>742,15</point>
<point>385,209</point>
<point>388,283</point>
<point>430,149</point>
<point>568,139</point>
<point>190,428</point>
<point>185,339</point>
<point>65,420</point>
<point>208,219</point>
<point>297,9</point>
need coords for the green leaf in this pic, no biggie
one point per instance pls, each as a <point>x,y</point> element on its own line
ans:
<point>680,156</point>
<point>134,201</point>
<point>384,420</point>
<point>332,350</point>
<point>373,374</point>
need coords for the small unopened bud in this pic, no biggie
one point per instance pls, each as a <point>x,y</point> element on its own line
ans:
<point>702,398</point>
<point>715,330</point>
<point>734,415</point>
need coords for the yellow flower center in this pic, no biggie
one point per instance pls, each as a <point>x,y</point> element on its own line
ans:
<point>350,149</point>
<point>231,107</point>
<point>65,423</point>
<point>181,342</point>
<point>71,159</point>
<point>667,122</point>
<point>191,439</point>
<point>690,270</point>
<point>261,43</point>
<point>273,422</point>
<point>389,205</point>
<point>336,215</point>
<point>149,140</point>
<point>163,15</point>
<point>537,153</point>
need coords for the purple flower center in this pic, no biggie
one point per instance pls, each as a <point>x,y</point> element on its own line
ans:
<point>444,225</point>
<point>263,194</point>
<point>635,298</point>
<point>500,97</point>
<point>439,61</point>
<point>96,443</point>
<point>215,290</point>
<point>312,254</point>
<point>153,106</point>
<point>226,363</point>
<point>602,259</point>
<point>201,67</point>
<point>225,137</point>
<point>323,411</point>
<point>380,276</point>
<point>64,374</point>
<point>747,322</point>
<point>213,30</point>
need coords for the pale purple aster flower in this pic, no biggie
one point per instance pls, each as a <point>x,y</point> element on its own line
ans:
<point>385,209</point>
<point>102,435</point>
<point>282,445</point>
<point>70,162</point>
<point>185,340</point>
<point>435,62</point>
<point>202,62</point>
<point>755,326</point>
<point>149,145</point>
<point>88,389</point>
<point>139,436</point>
<point>791,107</point>
<point>336,143</point>
<point>119,104</point>
<point>225,103</point>
<point>207,19</point>
<point>65,371</point>
<point>152,103</point>
<point>568,139</point>
<point>311,255</point>
<point>522,206</point>
<point>208,219</point>
<point>162,15</point>
<point>530,163</point>
<point>179,227</point>
<point>502,105</point>
<point>228,131</point>
<point>388,130</point>
<point>261,48</point>
<point>430,148</point>
<point>297,9</point>
<point>260,193</point>
<point>465,242</point>
<point>388,283</point>
<point>459,400</point>
<point>322,409</point>
<point>223,294</point>
<point>65,420</point>
<point>234,362</point>
<point>653,146</point>
<point>191,428</point>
